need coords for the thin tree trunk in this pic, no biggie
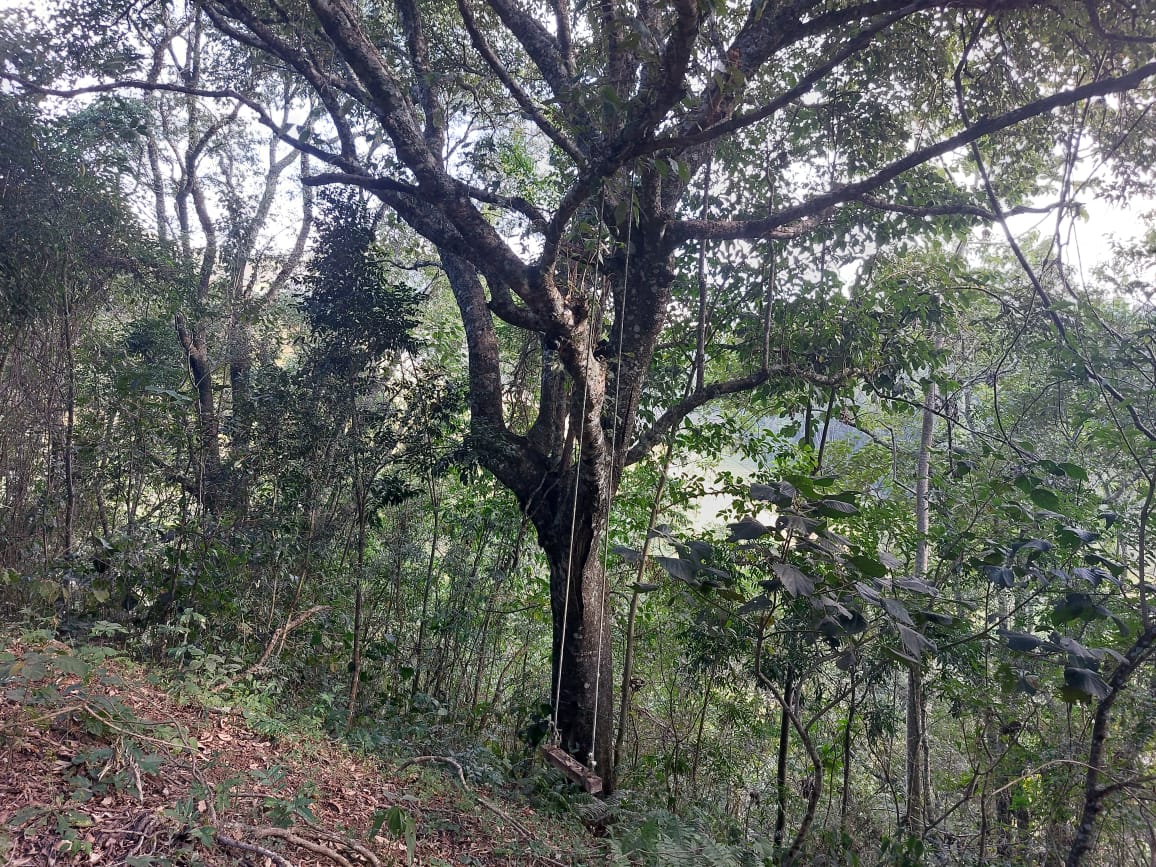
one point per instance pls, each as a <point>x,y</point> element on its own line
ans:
<point>916,772</point>
<point>781,759</point>
<point>69,424</point>
<point>846,793</point>
<point>427,589</point>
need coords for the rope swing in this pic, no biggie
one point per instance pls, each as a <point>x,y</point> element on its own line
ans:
<point>588,777</point>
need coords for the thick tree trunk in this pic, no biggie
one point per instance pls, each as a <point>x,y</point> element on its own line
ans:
<point>582,672</point>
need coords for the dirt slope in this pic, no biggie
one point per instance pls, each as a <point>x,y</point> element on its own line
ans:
<point>97,767</point>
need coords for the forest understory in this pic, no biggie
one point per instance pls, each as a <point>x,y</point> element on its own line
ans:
<point>749,407</point>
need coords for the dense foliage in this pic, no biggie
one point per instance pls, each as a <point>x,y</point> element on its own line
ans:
<point>660,382</point>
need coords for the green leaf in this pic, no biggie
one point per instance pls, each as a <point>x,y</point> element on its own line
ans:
<point>630,555</point>
<point>1024,642</point>
<point>746,530</point>
<point>794,580</point>
<point>47,590</point>
<point>677,568</point>
<point>868,566</point>
<point>1086,681</point>
<point>914,642</point>
<point>401,824</point>
<point>66,663</point>
<point>1074,471</point>
<point>1045,499</point>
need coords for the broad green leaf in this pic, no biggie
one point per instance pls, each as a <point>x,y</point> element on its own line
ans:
<point>868,566</point>
<point>1074,471</point>
<point>1086,681</point>
<point>1045,499</point>
<point>915,643</point>
<point>678,568</point>
<point>66,663</point>
<point>794,580</point>
<point>630,555</point>
<point>746,530</point>
<point>896,609</point>
<point>1024,642</point>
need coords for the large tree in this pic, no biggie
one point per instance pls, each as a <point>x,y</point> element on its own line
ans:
<point>633,186</point>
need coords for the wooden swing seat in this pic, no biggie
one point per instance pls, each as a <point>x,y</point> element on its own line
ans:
<point>573,769</point>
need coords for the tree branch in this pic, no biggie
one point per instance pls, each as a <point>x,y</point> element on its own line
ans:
<point>958,209</point>
<point>683,140</point>
<point>760,228</point>
<point>728,230</point>
<point>515,90</point>
<point>542,48</point>
<point>676,413</point>
<point>263,116</point>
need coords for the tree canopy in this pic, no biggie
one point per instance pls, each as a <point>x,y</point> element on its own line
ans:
<point>644,213</point>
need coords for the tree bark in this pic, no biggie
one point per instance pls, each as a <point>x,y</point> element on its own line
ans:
<point>917,770</point>
<point>581,671</point>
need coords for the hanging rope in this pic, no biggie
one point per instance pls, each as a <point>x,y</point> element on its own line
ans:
<point>556,736</point>
<point>613,446</point>
<point>561,760</point>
